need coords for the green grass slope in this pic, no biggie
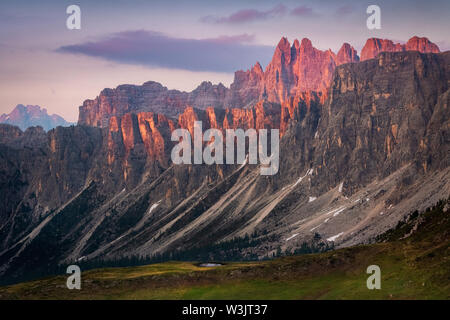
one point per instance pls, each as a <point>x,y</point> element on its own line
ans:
<point>413,257</point>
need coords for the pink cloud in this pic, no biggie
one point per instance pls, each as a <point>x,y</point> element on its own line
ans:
<point>240,38</point>
<point>151,48</point>
<point>346,9</point>
<point>302,11</point>
<point>247,15</point>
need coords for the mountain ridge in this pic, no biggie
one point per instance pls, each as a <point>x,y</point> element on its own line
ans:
<point>297,72</point>
<point>31,116</point>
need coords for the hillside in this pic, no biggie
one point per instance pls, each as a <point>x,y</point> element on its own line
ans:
<point>413,258</point>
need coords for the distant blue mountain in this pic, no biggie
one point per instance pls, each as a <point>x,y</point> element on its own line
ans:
<point>31,116</point>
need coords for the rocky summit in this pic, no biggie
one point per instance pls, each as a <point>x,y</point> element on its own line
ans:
<point>363,144</point>
<point>374,46</point>
<point>32,116</point>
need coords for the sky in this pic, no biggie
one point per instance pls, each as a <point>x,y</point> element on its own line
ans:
<point>178,43</point>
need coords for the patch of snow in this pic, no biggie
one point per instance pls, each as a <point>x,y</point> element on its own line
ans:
<point>390,206</point>
<point>341,186</point>
<point>309,172</point>
<point>154,206</point>
<point>339,211</point>
<point>292,237</point>
<point>311,199</point>
<point>120,238</point>
<point>381,213</point>
<point>245,162</point>
<point>316,135</point>
<point>209,265</point>
<point>335,237</point>
<point>326,220</point>
<point>367,199</point>
<point>336,211</point>
<point>299,180</point>
<point>357,200</point>
<point>316,227</point>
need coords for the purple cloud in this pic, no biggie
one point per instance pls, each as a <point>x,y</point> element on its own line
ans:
<point>346,9</point>
<point>240,38</point>
<point>150,48</point>
<point>247,15</point>
<point>302,11</point>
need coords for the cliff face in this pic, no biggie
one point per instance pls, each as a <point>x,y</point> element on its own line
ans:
<point>374,46</point>
<point>151,132</point>
<point>150,97</point>
<point>388,121</point>
<point>295,73</point>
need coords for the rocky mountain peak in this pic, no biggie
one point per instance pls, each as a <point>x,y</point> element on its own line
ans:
<point>422,45</point>
<point>306,45</point>
<point>282,55</point>
<point>294,72</point>
<point>346,54</point>
<point>374,46</point>
<point>31,116</point>
<point>257,68</point>
<point>296,45</point>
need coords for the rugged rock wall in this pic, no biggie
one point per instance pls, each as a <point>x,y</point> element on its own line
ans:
<point>150,97</point>
<point>298,72</point>
<point>374,46</point>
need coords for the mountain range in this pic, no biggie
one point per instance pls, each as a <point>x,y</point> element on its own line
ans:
<point>297,72</point>
<point>364,142</point>
<point>31,116</point>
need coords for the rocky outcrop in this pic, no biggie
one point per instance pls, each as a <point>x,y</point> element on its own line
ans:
<point>295,73</point>
<point>150,97</point>
<point>346,54</point>
<point>374,46</point>
<point>379,115</point>
<point>152,132</point>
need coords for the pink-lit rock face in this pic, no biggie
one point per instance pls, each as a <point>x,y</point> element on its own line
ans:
<point>374,46</point>
<point>150,97</point>
<point>346,54</point>
<point>132,131</point>
<point>298,75</point>
<point>293,71</point>
<point>151,133</point>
